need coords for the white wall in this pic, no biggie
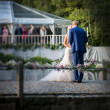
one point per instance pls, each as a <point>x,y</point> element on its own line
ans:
<point>98,53</point>
<point>52,54</point>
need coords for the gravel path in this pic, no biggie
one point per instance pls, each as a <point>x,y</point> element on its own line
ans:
<point>87,87</point>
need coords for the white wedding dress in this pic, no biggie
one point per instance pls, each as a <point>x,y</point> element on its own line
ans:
<point>63,74</point>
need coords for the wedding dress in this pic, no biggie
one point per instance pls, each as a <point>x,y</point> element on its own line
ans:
<point>66,75</point>
<point>63,74</point>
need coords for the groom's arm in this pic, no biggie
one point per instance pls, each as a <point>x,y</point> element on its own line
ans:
<point>70,37</point>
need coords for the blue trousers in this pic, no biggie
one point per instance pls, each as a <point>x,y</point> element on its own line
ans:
<point>78,58</point>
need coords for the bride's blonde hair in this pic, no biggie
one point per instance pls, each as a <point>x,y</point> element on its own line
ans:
<point>69,27</point>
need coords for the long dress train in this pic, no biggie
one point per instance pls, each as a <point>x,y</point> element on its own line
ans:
<point>62,75</point>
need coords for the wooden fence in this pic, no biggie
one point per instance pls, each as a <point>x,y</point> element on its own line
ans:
<point>20,81</point>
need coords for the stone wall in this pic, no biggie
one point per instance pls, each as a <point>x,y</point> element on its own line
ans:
<point>43,52</point>
<point>92,53</point>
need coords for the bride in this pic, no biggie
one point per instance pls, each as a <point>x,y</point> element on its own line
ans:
<point>63,75</point>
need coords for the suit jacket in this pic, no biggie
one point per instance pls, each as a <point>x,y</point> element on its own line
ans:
<point>0,31</point>
<point>77,39</point>
<point>20,31</point>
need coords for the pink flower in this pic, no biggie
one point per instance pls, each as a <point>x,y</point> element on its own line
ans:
<point>61,66</point>
<point>1,63</point>
<point>108,70</point>
<point>55,60</point>
<point>93,61</point>
<point>58,68</point>
<point>79,69</point>
<point>55,66</point>
<point>34,65</point>
<point>78,65</point>
<point>88,64</point>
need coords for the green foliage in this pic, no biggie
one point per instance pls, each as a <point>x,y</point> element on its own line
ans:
<point>58,60</point>
<point>99,14</point>
<point>5,58</point>
<point>8,57</point>
<point>2,56</point>
<point>47,46</point>
<point>80,15</point>
<point>54,47</point>
<point>31,47</point>
<point>92,66</point>
<point>91,13</point>
<point>6,46</point>
<point>25,47</point>
<point>40,60</point>
<point>108,66</point>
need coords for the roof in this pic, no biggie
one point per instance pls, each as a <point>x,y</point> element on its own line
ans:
<point>13,12</point>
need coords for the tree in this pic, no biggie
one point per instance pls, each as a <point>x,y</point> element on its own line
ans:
<point>94,14</point>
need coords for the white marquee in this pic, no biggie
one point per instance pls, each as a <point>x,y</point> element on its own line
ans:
<point>14,14</point>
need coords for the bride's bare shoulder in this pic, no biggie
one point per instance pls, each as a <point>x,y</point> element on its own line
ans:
<point>66,35</point>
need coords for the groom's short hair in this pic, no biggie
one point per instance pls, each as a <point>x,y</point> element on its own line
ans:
<point>76,23</point>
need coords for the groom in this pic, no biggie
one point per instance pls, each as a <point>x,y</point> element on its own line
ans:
<point>77,40</point>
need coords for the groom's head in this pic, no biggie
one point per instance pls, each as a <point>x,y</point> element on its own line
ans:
<point>75,23</point>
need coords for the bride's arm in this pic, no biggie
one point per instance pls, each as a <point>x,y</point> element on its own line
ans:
<point>65,42</point>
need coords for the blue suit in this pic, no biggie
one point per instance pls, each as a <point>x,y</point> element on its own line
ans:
<point>78,39</point>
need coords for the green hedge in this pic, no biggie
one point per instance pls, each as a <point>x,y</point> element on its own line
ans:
<point>40,60</point>
<point>31,47</point>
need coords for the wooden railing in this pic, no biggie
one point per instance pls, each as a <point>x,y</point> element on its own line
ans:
<point>31,39</point>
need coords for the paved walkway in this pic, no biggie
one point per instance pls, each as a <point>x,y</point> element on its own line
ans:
<point>30,87</point>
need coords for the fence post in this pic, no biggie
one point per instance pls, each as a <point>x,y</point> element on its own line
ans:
<point>104,70</point>
<point>20,83</point>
